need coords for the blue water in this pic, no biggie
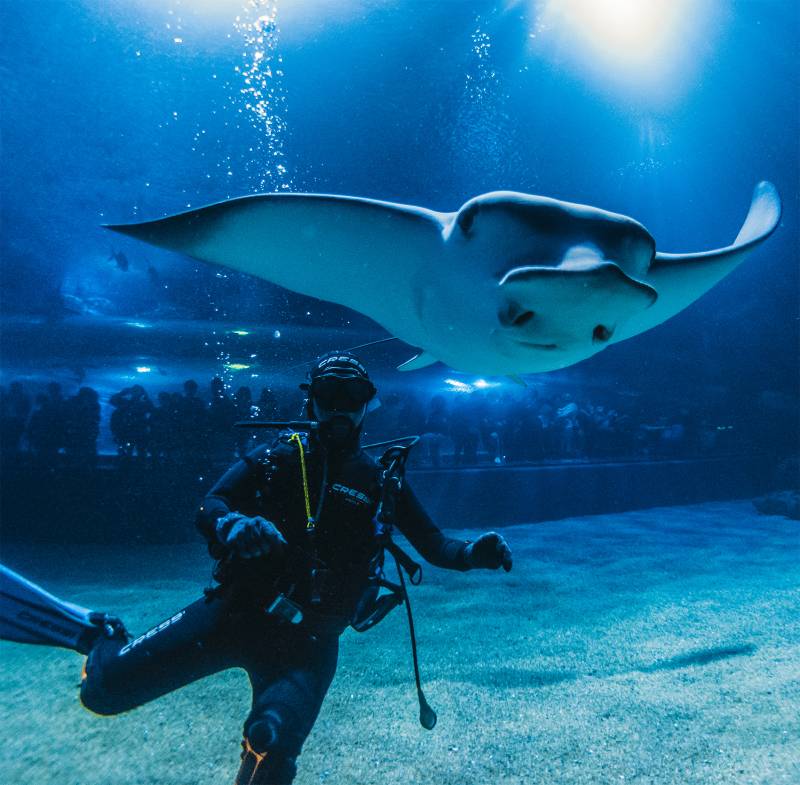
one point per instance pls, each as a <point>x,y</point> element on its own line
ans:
<point>659,630</point>
<point>133,110</point>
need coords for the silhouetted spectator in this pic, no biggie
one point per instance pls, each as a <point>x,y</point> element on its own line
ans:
<point>130,421</point>
<point>506,424</point>
<point>411,418</point>
<point>82,426</point>
<point>464,429</point>
<point>46,428</point>
<point>43,443</point>
<point>492,424</point>
<point>550,431</point>
<point>381,423</point>
<point>15,407</point>
<point>436,429</point>
<point>140,411</point>
<point>220,418</point>
<point>570,429</point>
<point>164,427</point>
<point>191,421</point>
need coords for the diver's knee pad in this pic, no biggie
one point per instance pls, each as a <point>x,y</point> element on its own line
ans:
<point>277,731</point>
<point>265,768</point>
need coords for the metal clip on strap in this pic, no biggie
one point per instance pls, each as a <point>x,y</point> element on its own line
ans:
<point>413,570</point>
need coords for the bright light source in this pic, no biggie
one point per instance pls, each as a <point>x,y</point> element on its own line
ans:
<point>627,30</point>
<point>142,369</point>
<point>240,332</point>
<point>481,384</point>
<point>236,366</point>
<point>640,42</point>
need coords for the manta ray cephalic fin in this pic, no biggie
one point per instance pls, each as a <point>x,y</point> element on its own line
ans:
<point>597,281</point>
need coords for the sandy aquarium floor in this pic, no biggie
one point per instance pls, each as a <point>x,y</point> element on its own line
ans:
<point>660,646</point>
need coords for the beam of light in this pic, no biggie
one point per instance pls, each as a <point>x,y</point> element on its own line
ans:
<point>236,367</point>
<point>143,369</point>
<point>482,384</point>
<point>240,332</point>
<point>653,44</point>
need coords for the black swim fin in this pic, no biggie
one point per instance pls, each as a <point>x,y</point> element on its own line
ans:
<point>29,614</point>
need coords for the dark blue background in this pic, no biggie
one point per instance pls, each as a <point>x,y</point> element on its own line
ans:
<point>376,105</point>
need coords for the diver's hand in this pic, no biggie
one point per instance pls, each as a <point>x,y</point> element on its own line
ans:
<point>489,551</point>
<point>249,538</point>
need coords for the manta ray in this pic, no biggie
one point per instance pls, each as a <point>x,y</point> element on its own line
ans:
<point>509,284</point>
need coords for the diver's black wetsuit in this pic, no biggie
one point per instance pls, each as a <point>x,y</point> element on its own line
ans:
<point>290,666</point>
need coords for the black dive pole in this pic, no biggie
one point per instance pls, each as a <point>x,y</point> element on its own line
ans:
<point>290,425</point>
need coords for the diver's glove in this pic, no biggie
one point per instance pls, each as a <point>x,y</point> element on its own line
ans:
<point>249,538</point>
<point>489,551</point>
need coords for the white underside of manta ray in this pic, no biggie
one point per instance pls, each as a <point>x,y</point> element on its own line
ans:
<point>510,284</point>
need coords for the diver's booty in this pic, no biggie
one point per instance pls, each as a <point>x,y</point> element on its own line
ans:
<point>259,768</point>
<point>29,614</point>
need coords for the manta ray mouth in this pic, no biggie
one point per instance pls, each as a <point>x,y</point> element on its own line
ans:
<point>546,346</point>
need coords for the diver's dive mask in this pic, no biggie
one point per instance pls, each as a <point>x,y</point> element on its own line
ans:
<point>341,394</point>
<point>339,405</point>
<point>339,391</point>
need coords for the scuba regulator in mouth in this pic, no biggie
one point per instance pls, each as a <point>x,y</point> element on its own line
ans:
<point>338,428</point>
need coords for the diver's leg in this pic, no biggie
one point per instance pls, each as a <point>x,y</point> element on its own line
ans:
<point>289,683</point>
<point>193,643</point>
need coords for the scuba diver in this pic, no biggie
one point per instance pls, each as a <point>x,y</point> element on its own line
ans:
<point>299,530</point>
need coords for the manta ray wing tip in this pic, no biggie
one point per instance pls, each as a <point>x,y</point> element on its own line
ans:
<point>763,216</point>
<point>120,228</point>
<point>765,186</point>
<point>765,191</point>
<point>160,232</point>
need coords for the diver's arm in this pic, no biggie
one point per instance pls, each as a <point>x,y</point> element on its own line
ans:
<point>235,491</point>
<point>490,551</point>
<point>434,546</point>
